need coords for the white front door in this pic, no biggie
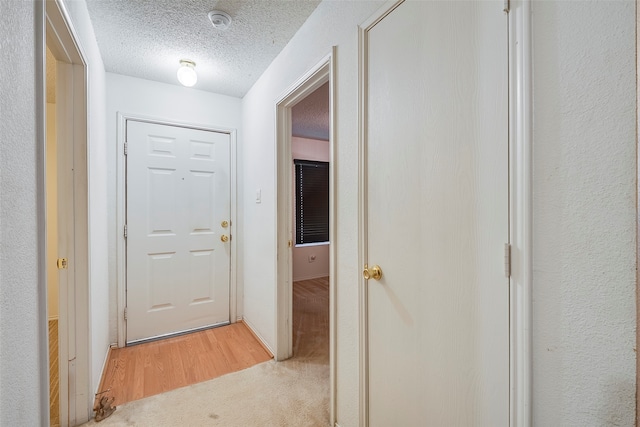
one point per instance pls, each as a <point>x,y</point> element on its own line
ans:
<point>178,196</point>
<point>437,215</point>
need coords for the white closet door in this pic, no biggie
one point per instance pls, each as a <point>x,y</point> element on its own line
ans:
<point>437,215</point>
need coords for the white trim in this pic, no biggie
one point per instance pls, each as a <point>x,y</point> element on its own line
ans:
<point>521,210</point>
<point>520,216</point>
<point>306,245</point>
<point>363,344</point>
<point>333,261</point>
<point>103,371</point>
<point>40,109</point>
<point>76,399</point>
<point>322,72</point>
<point>121,214</point>
<point>363,339</point>
<point>121,271</point>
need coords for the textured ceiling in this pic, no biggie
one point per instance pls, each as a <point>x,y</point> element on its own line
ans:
<point>147,38</point>
<point>310,117</point>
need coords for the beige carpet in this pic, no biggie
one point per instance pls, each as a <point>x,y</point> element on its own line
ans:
<point>292,393</point>
<point>289,393</point>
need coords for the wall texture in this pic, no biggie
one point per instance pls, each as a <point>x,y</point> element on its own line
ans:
<point>22,303</point>
<point>584,204</point>
<point>584,207</point>
<point>131,95</point>
<point>584,314</point>
<point>331,24</point>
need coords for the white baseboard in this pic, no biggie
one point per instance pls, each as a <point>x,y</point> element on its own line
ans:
<point>258,336</point>
<point>103,370</point>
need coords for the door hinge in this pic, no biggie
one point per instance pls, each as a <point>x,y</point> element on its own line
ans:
<point>125,313</point>
<point>290,243</point>
<point>125,231</point>
<point>507,6</point>
<point>62,263</point>
<point>126,148</point>
<point>507,260</point>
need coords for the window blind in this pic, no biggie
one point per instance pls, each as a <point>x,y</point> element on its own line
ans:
<point>312,201</point>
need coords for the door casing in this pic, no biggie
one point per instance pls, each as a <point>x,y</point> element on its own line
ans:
<point>520,207</point>
<point>76,398</point>
<point>322,72</point>
<point>121,212</point>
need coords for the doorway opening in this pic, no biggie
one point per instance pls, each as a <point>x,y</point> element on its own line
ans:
<point>298,260</point>
<point>66,197</point>
<point>311,247</point>
<point>52,241</point>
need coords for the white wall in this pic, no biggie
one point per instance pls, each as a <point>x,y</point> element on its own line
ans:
<point>332,23</point>
<point>310,149</point>
<point>584,204</point>
<point>310,262</point>
<point>584,207</point>
<point>160,100</point>
<point>22,302</point>
<point>584,231</point>
<point>97,170</point>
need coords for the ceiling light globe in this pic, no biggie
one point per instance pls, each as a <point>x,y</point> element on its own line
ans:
<point>187,74</point>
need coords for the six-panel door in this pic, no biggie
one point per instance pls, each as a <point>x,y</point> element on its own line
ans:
<point>178,195</point>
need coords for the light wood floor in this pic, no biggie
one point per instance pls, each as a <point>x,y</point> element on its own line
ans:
<point>311,319</point>
<point>147,369</point>
<point>54,375</point>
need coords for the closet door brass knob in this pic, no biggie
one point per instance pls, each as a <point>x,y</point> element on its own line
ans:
<point>224,238</point>
<point>374,272</point>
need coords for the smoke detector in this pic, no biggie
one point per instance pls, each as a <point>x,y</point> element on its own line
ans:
<point>220,20</point>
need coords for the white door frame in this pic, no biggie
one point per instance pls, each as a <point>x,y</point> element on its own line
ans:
<point>520,208</point>
<point>314,78</point>
<point>76,398</point>
<point>121,213</point>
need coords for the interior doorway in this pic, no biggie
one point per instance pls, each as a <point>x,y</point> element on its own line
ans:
<point>311,247</point>
<point>52,241</point>
<point>179,224</point>
<point>290,246</point>
<point>66,196</point>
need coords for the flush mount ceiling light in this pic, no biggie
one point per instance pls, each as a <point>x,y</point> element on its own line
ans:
<point>220,20</point>
<point>186,73</point>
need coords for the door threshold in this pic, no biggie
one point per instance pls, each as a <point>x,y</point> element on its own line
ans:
<point>176,334</point>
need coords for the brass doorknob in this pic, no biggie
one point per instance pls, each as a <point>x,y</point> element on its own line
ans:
<point>374,272</point>
<point>224,238</point>
<point>224,224</point>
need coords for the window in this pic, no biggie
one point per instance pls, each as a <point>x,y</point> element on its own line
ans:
<point>312,201</point>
